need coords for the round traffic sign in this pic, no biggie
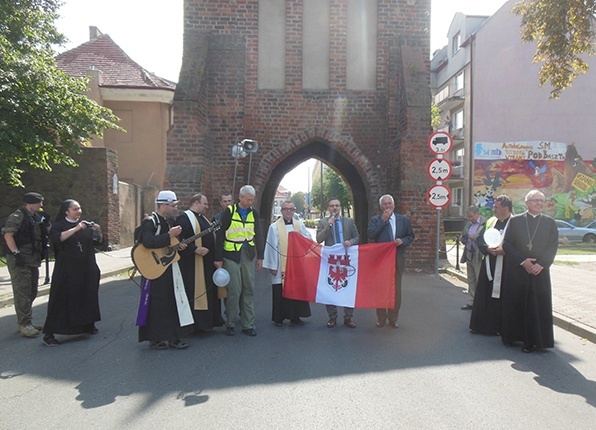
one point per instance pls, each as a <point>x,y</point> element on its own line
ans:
<point>439,195</point>
<point>439,169</point>
<point>440,142</point>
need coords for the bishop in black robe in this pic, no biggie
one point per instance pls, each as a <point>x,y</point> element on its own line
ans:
<point>526,299</point>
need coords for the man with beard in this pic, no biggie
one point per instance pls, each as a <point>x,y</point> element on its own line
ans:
<point>196,265</point>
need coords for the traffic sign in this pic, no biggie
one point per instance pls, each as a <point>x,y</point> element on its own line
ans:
<point>440,142</point>
<point>439,195</point>
<point>439,169</point>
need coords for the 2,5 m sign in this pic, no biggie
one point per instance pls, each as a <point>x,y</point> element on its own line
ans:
<point>439,195</point>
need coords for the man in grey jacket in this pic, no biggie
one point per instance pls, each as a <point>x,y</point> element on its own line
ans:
<point>471,254</point>
<point>337,229</point>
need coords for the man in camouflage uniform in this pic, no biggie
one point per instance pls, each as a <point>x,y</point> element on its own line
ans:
<point>23,234</point>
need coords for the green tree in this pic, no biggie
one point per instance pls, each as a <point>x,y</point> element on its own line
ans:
<point>299,201</point>
<point>333,186</point>
<point>562,30</point>
<point>45,115</point>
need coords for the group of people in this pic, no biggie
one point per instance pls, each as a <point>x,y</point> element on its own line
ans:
<point>240,248</point>
<point>509,283</point>
<point>73,306</point>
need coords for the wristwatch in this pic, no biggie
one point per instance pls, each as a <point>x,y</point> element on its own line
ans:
<point>15,252</point>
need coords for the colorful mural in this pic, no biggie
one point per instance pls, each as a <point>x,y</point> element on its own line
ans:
<point>556,169</point>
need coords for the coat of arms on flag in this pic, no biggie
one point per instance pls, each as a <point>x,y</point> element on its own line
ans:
<point>361,276</point>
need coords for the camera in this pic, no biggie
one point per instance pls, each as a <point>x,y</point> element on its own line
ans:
<point>88,223</point>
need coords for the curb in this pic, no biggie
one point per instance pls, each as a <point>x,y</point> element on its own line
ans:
<point>44,290</point>
<point>560,320</point>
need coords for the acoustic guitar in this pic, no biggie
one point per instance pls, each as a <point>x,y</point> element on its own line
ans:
<point>152,263</point>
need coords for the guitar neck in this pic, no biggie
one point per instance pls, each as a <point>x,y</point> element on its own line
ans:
<point>211,229</point>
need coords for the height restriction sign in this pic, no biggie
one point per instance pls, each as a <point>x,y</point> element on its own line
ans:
<point>439,169</point>
<point>439,195</point>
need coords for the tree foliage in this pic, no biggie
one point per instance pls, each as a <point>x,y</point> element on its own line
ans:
<point>562,30</point>
<point>333,186</point>
<point>299,201</point>
<point>45,115</point>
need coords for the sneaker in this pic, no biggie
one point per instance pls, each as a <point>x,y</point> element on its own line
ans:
<point>178,344</point>
<point>35,326</point>
<point>29,331</point>
<point>230,331</point>
<point>50,340</point>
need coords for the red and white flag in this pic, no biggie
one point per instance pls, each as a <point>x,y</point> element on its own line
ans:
<point>360,276</point>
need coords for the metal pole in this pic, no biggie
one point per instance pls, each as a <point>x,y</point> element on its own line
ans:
<point>438,239</point>
<point>249,168</point>
<point>234,183</point>
<point>457,253</point>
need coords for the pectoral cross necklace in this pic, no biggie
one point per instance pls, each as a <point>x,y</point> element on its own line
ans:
<point>531,238</point>
<point>80,246</point>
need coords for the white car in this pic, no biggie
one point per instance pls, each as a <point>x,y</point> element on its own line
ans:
<point>571,233</point>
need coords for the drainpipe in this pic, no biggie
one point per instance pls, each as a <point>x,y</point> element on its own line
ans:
<point>471,126</point>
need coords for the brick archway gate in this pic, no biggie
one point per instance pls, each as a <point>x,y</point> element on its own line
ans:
<point>369,118</point>
<point>327,146</point>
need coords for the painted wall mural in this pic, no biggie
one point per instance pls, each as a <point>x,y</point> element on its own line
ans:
<point>557,169</point>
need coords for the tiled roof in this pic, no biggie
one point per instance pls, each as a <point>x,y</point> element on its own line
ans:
<point>118,69</point>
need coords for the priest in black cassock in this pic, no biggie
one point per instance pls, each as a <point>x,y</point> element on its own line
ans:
<point>530,245</point>
<point>73,307</point>
<point>196,265</point>
<point>486,311</point>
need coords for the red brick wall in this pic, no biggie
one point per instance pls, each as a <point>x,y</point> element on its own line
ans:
<point>375,139</point>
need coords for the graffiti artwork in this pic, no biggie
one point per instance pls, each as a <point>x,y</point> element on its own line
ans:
<point>557,169</point>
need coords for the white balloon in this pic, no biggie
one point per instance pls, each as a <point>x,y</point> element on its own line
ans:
<point>221,277</point>
<point>492,237</point>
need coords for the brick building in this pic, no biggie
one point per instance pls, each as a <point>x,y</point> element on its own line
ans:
<point>342,81</point>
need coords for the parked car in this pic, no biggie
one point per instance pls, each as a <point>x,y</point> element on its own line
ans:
<point>571,233</point>
<point>592,225</point>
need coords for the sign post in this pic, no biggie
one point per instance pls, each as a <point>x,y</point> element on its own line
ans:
<point>439,170</point>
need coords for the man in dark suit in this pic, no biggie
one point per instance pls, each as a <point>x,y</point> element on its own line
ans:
<point>389,226</point>
<point>337,229</point>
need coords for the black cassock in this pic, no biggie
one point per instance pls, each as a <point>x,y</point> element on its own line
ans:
<point>486,313</point>
<point>73,307</point>
<point>211,317</point>
<point>162,317</point>
<point>526,300</point>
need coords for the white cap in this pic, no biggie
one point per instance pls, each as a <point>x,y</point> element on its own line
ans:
<point>166,196</point>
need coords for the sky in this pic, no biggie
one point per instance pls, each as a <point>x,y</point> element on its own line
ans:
<point>150,32</point>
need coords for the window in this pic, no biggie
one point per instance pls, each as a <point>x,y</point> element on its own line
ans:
<point>458,120</point>
<point>457,196</point>
<point>459,82</point>
<point>455,43</point>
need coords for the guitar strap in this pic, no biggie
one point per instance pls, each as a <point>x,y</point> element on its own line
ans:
<point>200,296</point>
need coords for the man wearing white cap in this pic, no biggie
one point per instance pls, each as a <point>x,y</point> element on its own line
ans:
<point>161,315</point>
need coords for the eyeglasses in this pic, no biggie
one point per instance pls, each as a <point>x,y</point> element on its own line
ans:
<point>288,209</point>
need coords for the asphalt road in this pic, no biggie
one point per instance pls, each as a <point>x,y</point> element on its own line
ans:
<point>431,373</point>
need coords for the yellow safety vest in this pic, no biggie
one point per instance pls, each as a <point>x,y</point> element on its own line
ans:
<point>239,231</point>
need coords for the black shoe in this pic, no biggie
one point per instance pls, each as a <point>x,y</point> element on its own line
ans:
<point>466,308</point>
<point>249,331</point>
<point>50,340</point>
<point>278,324</point>
<point>230,331</point>
<point>93,330</point>
<point>393,325</point>
<point>296,321</point>
<point>380,324</point>
<point>528,349</point>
